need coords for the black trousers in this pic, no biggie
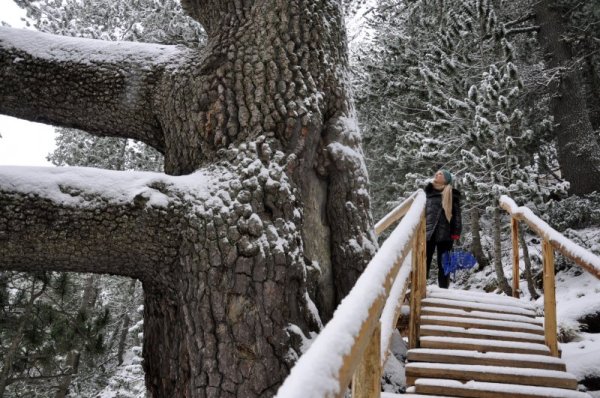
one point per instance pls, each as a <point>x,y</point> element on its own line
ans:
<point>442,247</point>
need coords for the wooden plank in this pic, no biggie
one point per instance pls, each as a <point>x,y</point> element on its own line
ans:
<point>482,346</point>
<point>514,223</point>
<point>473,306</point>
<point>479,297</point>
<point>488,359</point>
<point>550,323</point>
<point>492,390</point>
<point>456,312</point>
<point>488,334</point>
<point>492,374</point>
<point>472,323</point>
<point>366,381</point>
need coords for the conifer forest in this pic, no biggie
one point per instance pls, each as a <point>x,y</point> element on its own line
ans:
<point>247,154</point>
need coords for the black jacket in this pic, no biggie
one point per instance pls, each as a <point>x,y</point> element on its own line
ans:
<point>436,219</point>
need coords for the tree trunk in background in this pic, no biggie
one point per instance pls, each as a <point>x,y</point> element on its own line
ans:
<point>501,278</point>
<point>13,349</point>
<point>87,302</point>
<point>125,324</point>
<point>476,246</point>
<point>528,275</point>
<point>578,148</point>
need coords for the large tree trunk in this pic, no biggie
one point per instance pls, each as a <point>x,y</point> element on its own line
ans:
<point>264,112</point>
<point>578,147</point>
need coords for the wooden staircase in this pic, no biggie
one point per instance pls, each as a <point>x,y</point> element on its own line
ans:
<point>483,345</point>
<point>462,344</point>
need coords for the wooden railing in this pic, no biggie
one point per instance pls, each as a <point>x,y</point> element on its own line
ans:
<point>354,345</point>
<point>551,240</point>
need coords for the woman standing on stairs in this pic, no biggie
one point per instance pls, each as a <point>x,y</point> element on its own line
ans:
<point>443,220</point>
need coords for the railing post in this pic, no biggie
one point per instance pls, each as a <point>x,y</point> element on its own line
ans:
<point>417,284</point>
<point>550,324</point>
<point>366,380</point>
<point>514,224</point>
<point>422,259</point>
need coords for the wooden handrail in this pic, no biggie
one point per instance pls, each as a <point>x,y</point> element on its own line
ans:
<point>581,256</point>
<point>396,214</point>
<point>351,341</point>
<point>551,239</point>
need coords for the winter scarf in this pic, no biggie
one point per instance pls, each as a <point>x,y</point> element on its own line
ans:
<point>446,198</point>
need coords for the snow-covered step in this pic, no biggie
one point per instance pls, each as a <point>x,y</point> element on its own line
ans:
<point>483,345</point>
<point>477,389</point>
<point>426,310</point>
<point>473,306</point>
<point>410,395</point>
<point>451,331</point>
<point>486,358</point>
<point>490,374</point>
<point>482,324</point>
<point>478,297</point>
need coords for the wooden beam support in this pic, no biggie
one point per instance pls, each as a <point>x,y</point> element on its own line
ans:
<point>550,323</point>
<point>514,224</point>
<point>418,283</point>
<point>366,381</point>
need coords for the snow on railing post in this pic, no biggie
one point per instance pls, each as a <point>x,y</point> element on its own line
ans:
<point>550,324</point>
<point>514,224</point>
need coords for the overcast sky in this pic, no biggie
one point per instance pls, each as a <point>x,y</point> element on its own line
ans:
<point>23,143</point>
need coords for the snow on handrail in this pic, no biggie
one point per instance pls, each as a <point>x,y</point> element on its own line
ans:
<point>583,257</point>
<point>326,368</point>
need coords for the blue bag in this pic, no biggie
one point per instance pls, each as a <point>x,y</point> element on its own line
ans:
<point>457,259</point>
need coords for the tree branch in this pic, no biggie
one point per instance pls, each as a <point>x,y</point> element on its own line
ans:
<point>526,29</point>
<point>105,88</point>
<point>524,18</point>
<point>88,220</point>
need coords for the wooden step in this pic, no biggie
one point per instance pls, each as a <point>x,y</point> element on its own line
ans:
<point>410,395</point>
<point>482,345</point>
<point>426,310</point>
<point>472,323</point>
<point>488,358</point>
<point>478,297</point>
<point>475,389</point>
<point>474,306</point>
<point>451,331</point>
<point>490,374</point>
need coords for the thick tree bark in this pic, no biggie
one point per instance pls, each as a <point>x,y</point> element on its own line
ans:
<point>578,147</point>
<point>104,88</point>
<point>265,114</point>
